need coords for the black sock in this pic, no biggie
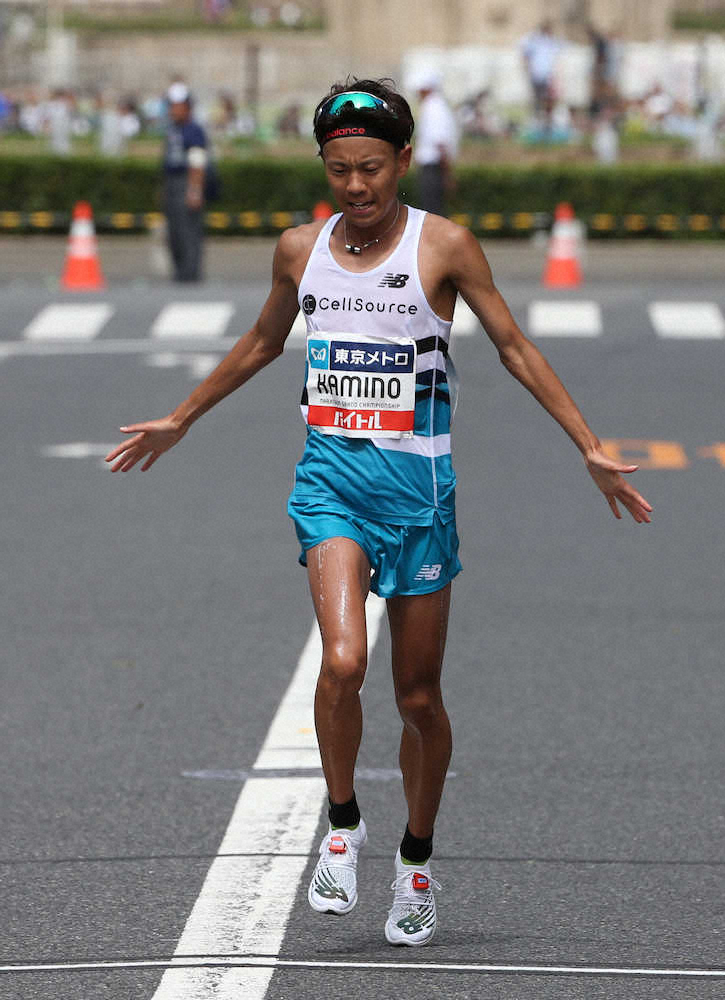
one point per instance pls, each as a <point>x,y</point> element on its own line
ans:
<point>416,849</point>
<point>345,814</point>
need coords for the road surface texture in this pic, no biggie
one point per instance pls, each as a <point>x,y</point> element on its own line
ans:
<point>161,805</point>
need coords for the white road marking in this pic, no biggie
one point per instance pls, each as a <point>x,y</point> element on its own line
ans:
<point>198,365</point>
<point>137,345</point>
<point>361,774</point>
<point>687,320</point>
<point>69,321</point>
<point>193,319</point>
<point>465,321</point>
<point>76,449</point>
<point>249,963</point>
<point>565,319</point>
<point>245,902</point>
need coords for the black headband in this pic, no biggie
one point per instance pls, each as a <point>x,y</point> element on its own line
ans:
<point>368,130</point>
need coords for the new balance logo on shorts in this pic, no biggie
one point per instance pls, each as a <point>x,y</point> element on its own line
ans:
<point>427,572</point>
<point>393,281</point>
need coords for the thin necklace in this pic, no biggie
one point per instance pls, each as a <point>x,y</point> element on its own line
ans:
<point>354,248</point>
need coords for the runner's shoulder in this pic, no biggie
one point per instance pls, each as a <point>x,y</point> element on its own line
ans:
<point>447,237</point>
<point>297,242</point>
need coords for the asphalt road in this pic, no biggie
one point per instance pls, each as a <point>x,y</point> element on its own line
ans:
<point>152,623</point>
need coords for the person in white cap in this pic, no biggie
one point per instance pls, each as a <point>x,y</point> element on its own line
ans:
<point>185,163</point>
<point>437,144</point>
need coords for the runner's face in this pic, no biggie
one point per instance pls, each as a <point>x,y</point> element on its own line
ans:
<point>363,175</point>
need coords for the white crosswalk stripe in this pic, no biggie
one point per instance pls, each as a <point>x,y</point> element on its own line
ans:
<point>69,321</point>
<point>465,323</point>
<point>198,365</point>
<point>75,328</point>
<point>193,319</point>
<point>565,319</point>
<point>687,320</point>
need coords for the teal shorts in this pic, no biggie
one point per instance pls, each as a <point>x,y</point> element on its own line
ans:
<point>404,559</point>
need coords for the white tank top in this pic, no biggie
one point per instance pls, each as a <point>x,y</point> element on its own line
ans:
<point>401,480</point>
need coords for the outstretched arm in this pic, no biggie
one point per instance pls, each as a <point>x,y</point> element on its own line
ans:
<point>471,275</point>
<point>260,345</point>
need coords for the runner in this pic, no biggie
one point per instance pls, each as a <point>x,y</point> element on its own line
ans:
<point>373,502</point>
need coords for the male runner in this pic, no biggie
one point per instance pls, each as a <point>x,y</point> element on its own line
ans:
<point>373,501</point>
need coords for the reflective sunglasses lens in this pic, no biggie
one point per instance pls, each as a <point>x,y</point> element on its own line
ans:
<point>346,102</point>
<point>352,101</point>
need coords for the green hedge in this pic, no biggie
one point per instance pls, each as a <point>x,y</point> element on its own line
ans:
<point>51,183</point>
<point>171,21</point>
<point>45,183</point>
<point>649,189</point>
<point>696,20</point>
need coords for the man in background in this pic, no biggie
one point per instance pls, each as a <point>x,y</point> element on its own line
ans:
<point>540,50</point>
<point>437,143</point>
<point>185,164</point>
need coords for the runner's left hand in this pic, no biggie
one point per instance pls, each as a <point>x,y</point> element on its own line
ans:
<point>608,475</point>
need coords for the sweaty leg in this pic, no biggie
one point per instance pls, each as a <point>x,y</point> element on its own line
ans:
<point>339,574</point>
<point>418,626</point>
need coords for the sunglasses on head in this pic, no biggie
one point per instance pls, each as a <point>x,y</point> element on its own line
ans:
<point>352,100</point>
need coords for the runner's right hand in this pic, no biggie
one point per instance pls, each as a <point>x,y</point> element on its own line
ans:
<point>150,438</point>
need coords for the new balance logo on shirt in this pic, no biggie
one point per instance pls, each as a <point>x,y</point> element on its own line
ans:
<point>393,281</point>
<point>429,572</point>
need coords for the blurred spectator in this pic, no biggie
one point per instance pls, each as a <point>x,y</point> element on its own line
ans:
<point>557,125</point>
<point>261,16</point>
<point>562,121</point>
<point>436,145</point>
<point>58,122</point>
<point>657,105</point>
<point>214,10</point>
<point>116,123</point>
<point>228,121</point>
<point>680,121</point>
<point>600,90</point>
<point>110,134</point>
<point>30,116</point>
<point>11,122</point>
<point>540,50</point>
<point>6,112</point>
<point>152,113</point>
<point>605,137</point>
<point>708,145</point>
<point>82,111</point>
<point>184,167</point>
<point>479,118</point>
<point>130,118</point>
<point>288,123</point>
<point>224,116</point>
<point>291,14</point>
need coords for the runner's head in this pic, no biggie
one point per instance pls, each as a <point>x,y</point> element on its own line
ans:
<point>363,128</point>
<point>363,108</point>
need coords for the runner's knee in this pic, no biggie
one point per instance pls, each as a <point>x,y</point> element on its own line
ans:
<point>343,668</point>
<point>420,706</point>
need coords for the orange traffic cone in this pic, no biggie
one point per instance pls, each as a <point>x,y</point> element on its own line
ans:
<point>562,263</point>
<point>322,210</point>
<point>82,271</point>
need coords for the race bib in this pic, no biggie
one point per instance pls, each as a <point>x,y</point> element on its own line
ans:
<point>359,385</point>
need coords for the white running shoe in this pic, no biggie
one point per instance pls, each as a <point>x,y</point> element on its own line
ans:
<point>412,918</point>
<point>333,887</point>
